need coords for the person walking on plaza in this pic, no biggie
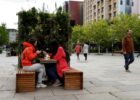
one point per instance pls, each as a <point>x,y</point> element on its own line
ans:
<point>85,50</point>
<point>128,49</point>
<point>28,55</point>
<point>77,49</point>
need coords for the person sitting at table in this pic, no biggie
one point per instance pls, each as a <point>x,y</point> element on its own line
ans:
<point>28,55</point>
<point>59,55</point>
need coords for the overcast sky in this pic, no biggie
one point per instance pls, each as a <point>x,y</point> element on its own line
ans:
<point>9,9</point>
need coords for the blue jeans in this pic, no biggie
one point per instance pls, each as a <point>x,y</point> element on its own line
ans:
<point>129,58</point>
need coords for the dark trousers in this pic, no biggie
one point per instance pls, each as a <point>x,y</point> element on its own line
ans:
<point>85,55</point>
<point>52,73</point>
<point>129,58</point>
<point>77,55</point>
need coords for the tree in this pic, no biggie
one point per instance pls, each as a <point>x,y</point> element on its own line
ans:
<point>124,22</point>
<point>3,35</point>
<point>106,33</point>
<point>44,26</point>
<point>100,33</point>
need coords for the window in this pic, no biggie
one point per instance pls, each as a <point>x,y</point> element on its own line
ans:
<point>109,7</point>
<point>127,2</point>
<point>102,16</point>
<point>94,7</point>
<point>121,2</point>
<point>109,15</point>
<point>115,5</point>
<point>98,10</point>
<point>102,10</point>
<point>114,14</point>
<point>94,13</point>
<point>132,3</point>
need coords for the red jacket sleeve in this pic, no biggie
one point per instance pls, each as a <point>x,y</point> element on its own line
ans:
<point>31,53</point>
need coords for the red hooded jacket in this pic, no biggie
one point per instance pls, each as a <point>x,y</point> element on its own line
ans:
<point>61,65</point>
<point>28,54</point>
<point>78,48</point>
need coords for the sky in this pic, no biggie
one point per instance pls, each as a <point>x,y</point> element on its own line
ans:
<point>9,9</point>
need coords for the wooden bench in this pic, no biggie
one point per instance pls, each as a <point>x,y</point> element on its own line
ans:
<point>25,81</point>
<point>73,79</point>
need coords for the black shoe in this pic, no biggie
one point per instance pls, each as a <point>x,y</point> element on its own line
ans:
<point>125,67</point>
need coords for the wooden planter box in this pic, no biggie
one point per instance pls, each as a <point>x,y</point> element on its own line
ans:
<point>73,79</point>
<point>25,81</point>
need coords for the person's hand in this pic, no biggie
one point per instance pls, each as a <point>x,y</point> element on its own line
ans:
<point>38,52</point>
<point>124,52</point>
<point>44,52</point>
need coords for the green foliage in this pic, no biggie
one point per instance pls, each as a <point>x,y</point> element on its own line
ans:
<point>99,34</point>
<point>104,33</point>
<point>3,35</point>
<point>44,26</point>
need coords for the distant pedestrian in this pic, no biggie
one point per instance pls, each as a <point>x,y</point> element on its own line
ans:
<point>77,49</point>
<point>128,49</point>
<point>85,50</point>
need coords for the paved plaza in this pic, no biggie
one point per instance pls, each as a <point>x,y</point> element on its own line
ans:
<point>104,79</point>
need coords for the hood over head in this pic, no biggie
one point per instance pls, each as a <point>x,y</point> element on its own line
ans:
<point>26,44</point>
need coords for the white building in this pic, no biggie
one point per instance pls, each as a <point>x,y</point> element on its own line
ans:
<point>136,7</point>
<point>105,9</point>
<point>12,35</point>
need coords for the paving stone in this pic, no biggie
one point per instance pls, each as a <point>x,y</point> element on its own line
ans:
<point>7,94</point>
<point>70,97</point>
<point>132,82</point>
<point>44,92</point>
<point>129,87</point>
<point>9,84</point>
<point>102,89</point>
<point>62,91</point>
<point>106,83</point>
<point>25,94</point>
<point>104,79</point>
<point>133,95</point>
<point>104,96</point>
<point>21,98</point>
<point>88,84</point>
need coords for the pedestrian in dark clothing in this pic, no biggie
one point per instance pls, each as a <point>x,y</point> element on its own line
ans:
<point>85,50</point>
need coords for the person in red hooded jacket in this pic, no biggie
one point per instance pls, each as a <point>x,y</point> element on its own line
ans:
<point>28,55</point>
<point>59,55</point>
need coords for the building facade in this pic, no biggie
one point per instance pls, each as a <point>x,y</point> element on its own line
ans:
<point>12,35</point>
<point>105,9</point>
<point>75,10</point>
<point>136,7</point>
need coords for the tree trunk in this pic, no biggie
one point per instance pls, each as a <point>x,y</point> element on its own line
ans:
<point>99,49</point>
<point>106,50</point>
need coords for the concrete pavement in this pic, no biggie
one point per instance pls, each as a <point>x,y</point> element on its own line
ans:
<point>104,79</point>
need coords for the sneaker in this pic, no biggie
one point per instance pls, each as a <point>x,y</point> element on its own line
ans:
<point>57,83</point>
<point>41,85</point>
